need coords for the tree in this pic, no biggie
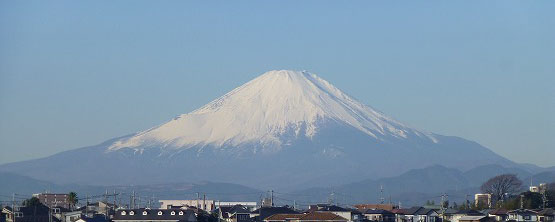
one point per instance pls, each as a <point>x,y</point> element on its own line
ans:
<point>33,201</point>
<point>500,185</point>
<point>72,199</point>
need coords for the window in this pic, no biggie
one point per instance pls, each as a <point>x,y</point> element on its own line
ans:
<point>526,217</point>
<point>159,213</point>
<point>123,213</point>
<point>18,214</point>
<point>131,213</point>
<point>180,213</point>
<point>173,213</point>
<point>145,213</point>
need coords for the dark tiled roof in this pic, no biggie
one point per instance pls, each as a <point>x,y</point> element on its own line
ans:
<point>377,211</point>
<point>424,211</point>
<point>547,212</point>
<point>522,211</point>
<point>324,216</point>
<point>470,212</point>
<point>498,212</point>
<point>238,209</point>
<point>96,218</point>
<point>412,210</point>
<point>283,217</point>
<point>265,212</point>
<point>152,214</point>
<point>38,213</point>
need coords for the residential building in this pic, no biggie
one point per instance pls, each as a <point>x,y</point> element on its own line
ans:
<point>546,215</point>
<point>72,216</point>
<point>38,213</point>
<point>96,218</point>
<point>349,214</point>
<point>262,213</point>
<point>523,215</point>
<point>206,205</point>
<point>237,213</point>
<point>379,215</point>
<point>499,215</point>
<point>482,218</point>
<point>388,207</point>
<point>482,199</point>
<point>320,217</point>
<point>152,215</point>
<point>418,214</point>
<point>249,205</point>
<point>283,217</point>
<point>53,199</point>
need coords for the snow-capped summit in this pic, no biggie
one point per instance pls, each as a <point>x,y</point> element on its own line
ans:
<point>283,129</point>
<point>264,109</point>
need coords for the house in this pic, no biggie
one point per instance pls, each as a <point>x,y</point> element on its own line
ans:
<point>249,205</point>
<point>498,214</point>
<point>448,214</point>
<point>206,205</point>
<point>418,214</point>
<point>90,209</point>
<point>482,218</point>
<point>379,215</point>
<point>53,199</point>
<point>387,207</point>
<point>349,214</point>
<point>523,215</point>
<point>399,215</point>
<point>320,217</point>
<point>95,218</point>
<point>38,213</point>
<point>546,215</point>
<point>237,213</point>
<point>262,213</point>
<point>71,216</point>
<point>283,217</point>
<point>462,213</point>
<point>3,216</point>
<point>150,215</point>
<point>482,199</point>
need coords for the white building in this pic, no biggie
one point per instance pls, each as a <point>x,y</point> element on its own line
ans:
<point>207,205</point>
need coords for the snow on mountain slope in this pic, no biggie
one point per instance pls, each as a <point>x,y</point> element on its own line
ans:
<point>264,109</point>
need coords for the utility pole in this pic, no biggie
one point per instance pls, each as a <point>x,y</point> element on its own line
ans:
<point>467,202</point>
<point>272,197</point>
<point>204,202</point>
<point>521,201</point>
<point>132,203</point>
<point>13,206</point>
<point>443,199</point>
<point>106,205</point>
<point>115,201</point>
<point>87,205</point>
<point>198,200</point>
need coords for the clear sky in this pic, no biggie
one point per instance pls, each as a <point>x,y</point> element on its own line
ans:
<point>76,73</point>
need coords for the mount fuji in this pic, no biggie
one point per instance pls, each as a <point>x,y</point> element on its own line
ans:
<point>283,129</point>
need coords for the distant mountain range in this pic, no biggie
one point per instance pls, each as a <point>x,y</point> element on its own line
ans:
<point>414,187</point>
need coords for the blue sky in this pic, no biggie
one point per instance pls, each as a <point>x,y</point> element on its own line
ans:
<point>76,73</point>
